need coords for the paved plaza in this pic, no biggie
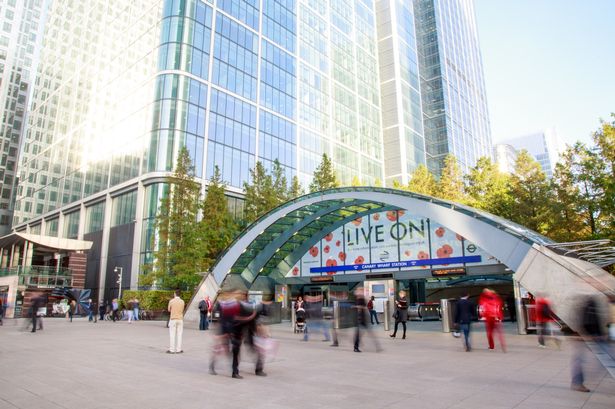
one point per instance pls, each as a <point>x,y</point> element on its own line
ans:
<point>121,365</point>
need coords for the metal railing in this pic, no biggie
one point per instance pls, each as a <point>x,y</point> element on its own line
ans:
<point>35,270</point>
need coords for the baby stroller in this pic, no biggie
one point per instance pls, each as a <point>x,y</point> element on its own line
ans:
<point>300,321</point>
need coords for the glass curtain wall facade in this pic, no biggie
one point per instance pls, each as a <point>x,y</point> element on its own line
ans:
<point>123,85</point>
<point>452,83</point>
<point>402,117</point>
<point>21,23</point>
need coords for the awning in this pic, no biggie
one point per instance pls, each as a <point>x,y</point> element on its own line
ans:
<point>46,242</point>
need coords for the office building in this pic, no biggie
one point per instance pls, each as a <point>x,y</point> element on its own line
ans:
<point>121,86</point>
<point>21,25</point>
<point>544,145</point>
<point>505,157</point>
<point>454,101</point>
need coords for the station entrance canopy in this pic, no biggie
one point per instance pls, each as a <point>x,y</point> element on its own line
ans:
<point>274,244</point>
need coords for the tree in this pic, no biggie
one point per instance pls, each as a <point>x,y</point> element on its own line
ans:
<point>604,139</point>
<point>568,223</point>
<point>530,193</point>
<point>178,255</point>
<point>260,194</point>
<point>279,182</point>
<point>217,228</point>
<point>450,186</point>
<point>356,181</point>
<point>488,188</point>
<point>422,181</point>
<point>295,190</point>
<point>324,176</point>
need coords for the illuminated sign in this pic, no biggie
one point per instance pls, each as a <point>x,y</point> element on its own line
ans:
<point>321,279</point>
<point>443,272</point>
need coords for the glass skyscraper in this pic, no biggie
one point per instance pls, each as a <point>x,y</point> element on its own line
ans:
<point>455,113</point>
<point>21,23</point>
<point>122,85</point>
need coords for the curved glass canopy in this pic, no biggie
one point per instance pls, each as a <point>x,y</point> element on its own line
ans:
<point>277,240</point>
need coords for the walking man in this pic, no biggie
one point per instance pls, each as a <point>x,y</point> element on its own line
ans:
<point>463,317</point>
<point>176,324</point>
<point>372,312</point>
<point>115,306</point>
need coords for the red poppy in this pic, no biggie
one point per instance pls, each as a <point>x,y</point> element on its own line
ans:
<point>326,249</point>
<point>313,251</point>
<point>376,216</point>
<point>357,222</point>
<point>329,237</point>
<point>440,231</point>
<point>296,271</point>
<point>391,215</point>
<point>342,256</point>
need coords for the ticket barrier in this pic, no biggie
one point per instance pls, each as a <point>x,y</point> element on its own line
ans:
<point>424,312</point>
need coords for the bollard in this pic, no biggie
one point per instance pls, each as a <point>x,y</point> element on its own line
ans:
<point>293,316</point>
<point>520,310</point>
<point>336,314</point>
<point>444,310</point>
<point>387,315</point>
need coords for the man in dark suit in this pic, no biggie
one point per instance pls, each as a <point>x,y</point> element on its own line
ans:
<point>463,317</point>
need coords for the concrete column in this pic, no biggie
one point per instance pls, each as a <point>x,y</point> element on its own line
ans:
<point>521,321</point>
<point>104,248</point>
<point>82,221</point>
<point>29,254</point>
<point>12,256</point>
<point>25,254</point>
<point>135,268</point>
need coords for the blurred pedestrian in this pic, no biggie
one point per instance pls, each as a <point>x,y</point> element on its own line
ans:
<point>102,309</point>
<point>401,313</point>
<point>591,329</point>
<point>491,307</point>
<point>91,310</point>
<point>313,307</point>
<point>135,309</point>
<point>1,310</point>
<point>373,315</point>
<point>115,310</point>
<point>176,324</point>
<point>233,315</point>
<point>544,322</point>
<point>72,308</point>
<point>463,318</point>
<point>37,302</point>
<point>361,321</point>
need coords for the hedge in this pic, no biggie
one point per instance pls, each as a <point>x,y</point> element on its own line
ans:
<point>153,300</point>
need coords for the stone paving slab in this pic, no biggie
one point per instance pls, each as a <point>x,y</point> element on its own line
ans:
<point>120,365</point>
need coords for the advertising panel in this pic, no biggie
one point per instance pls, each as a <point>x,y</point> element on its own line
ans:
<point>445,243</point>
<point>384,247</point>
<point>333,249</point>
<point>357,235</point>
<point>413,235</point>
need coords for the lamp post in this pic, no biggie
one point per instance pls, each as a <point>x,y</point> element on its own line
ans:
<point>119,271</point>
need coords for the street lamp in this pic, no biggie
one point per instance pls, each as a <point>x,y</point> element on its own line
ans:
<point>119,271</point>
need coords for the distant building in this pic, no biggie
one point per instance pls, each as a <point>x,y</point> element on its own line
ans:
<point>545,146</point>
<point>505,157</point>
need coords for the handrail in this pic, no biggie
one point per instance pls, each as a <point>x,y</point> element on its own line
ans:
<point>35,270</point>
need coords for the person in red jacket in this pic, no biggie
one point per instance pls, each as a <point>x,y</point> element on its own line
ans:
<point>491,310</point>
<point>544,321</point>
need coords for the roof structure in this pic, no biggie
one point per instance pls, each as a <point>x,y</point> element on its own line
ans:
<point>277,240</point>
<point>45,242</point>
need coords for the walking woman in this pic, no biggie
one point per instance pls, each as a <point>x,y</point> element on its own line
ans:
<point>401,313</point>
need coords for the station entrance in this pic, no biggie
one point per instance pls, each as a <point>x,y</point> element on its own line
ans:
<point>329,243</point>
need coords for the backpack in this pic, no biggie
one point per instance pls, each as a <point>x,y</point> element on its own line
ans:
<point>370,305</point>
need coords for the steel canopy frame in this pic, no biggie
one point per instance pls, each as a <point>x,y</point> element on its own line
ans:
<point>505,240</point>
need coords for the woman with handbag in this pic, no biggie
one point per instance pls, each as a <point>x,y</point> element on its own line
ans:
<point>401,313</point>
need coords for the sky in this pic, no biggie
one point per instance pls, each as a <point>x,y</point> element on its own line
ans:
<point>548,63</point>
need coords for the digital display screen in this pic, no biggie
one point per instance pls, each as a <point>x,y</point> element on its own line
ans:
<point>378,288</point>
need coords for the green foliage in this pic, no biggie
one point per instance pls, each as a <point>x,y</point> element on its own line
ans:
<point>295,189</point>
<point>422,181</point>
<point>267,191</point>
<point>450,186</point>
<point>324,176</point>
<point>530,193</point>
<point>217,228</point>
<point>488,189</point>
<point>153,300</point>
